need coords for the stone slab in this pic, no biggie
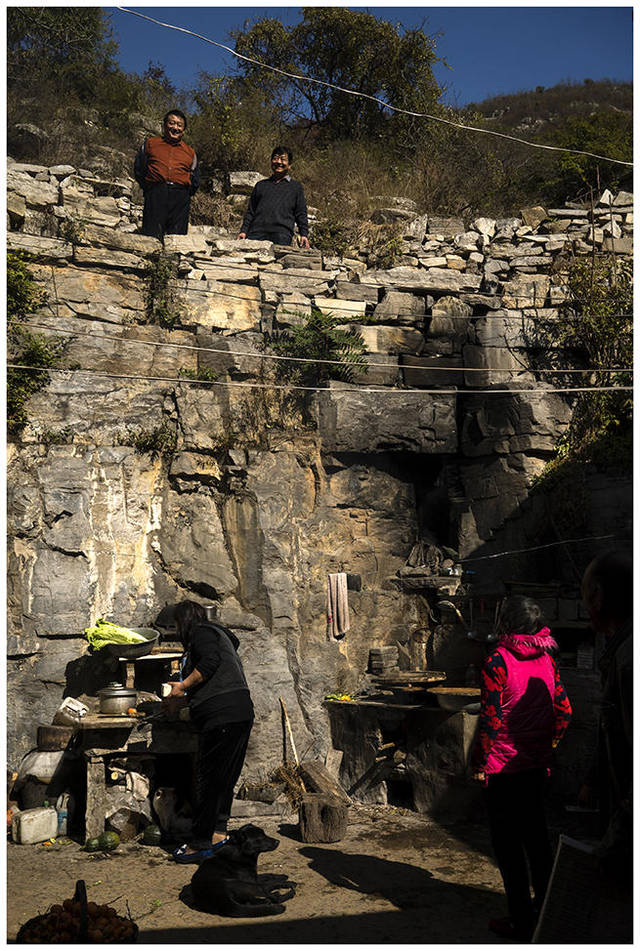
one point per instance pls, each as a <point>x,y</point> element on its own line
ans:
<point>39,247</point>
<point>107,257</point>
<point>351,419</point>
<point>435,280</point>
<point>218,305</point>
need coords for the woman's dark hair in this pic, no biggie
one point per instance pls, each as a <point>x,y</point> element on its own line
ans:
<point>175,112</point>
<point>283,150</point>
<point>187,615</point>
<point>519,615</point>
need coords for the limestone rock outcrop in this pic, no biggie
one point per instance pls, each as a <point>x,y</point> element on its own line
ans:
<point>162,462</point>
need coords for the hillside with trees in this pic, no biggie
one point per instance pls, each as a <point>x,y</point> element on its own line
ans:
<point>68,97</point>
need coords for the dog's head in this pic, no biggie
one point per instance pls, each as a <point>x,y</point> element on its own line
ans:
<point>252,840</point>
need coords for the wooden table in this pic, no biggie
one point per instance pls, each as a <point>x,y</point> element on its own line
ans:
<point>102,736</point>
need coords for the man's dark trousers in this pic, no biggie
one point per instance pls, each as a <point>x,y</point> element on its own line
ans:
<point>166,210</point>
<point>278,236</point>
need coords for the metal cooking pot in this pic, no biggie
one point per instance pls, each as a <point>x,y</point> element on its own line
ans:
<point>116,699</point>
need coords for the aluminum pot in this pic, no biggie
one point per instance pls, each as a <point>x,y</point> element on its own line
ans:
<point>116,699</point>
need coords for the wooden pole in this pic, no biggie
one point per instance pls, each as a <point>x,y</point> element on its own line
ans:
<point>289,731</point>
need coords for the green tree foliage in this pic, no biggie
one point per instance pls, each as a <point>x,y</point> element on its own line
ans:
<point>348,48</point>
<point>319,337</point>
<point>160,91</point>
<point>25,349</point>
<point>608,134</point>
<point>70,44</point>
<point>598,323</point>
<point>232,127</point>
<point>64,79</point>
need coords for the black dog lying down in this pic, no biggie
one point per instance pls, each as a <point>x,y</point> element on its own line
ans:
<point>228,883</point>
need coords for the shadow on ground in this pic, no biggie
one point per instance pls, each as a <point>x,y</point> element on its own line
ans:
<point>428,909</point>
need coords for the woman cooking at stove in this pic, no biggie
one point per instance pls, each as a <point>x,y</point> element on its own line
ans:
<point>220,708</point>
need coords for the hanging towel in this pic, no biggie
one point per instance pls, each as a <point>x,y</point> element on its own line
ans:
<point>337,606</point>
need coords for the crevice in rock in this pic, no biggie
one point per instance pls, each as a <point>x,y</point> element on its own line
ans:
<point>57,518</point>
<point>244,542</point>
<point>202,589</point>
<point>293,644</point>
<point>70,552</point>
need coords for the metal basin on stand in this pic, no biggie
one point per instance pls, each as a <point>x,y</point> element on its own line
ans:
<point>454,699</point>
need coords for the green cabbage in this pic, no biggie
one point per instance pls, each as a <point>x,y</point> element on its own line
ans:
<point>104,632</point>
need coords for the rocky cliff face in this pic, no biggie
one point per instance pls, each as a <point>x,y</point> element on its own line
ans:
<point>133,485</point>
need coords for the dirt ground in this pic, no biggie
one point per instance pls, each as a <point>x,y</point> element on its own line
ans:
<point>397,877</point>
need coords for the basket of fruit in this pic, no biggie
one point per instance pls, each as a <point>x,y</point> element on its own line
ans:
<point>78,921</point>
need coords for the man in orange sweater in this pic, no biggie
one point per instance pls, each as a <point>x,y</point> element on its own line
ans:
<point>166,168</point>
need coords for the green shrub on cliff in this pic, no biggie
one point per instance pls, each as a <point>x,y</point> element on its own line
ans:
<point>597,322</point>
<point>31,353</point>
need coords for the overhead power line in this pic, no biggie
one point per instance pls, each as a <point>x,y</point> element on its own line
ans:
<point>362,95</point>
<point>523,551</point>
<point>231,384</point>
<point>290,359</point>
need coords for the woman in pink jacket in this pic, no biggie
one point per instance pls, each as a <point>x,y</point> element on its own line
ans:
<point>524,714</point>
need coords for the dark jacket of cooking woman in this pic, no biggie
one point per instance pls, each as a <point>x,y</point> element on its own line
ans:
<point>223,694</point>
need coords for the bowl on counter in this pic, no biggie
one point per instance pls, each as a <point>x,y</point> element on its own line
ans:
<point>454,699</point>
<point>131,651</point>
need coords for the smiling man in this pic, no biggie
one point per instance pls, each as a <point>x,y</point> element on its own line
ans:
<point>166,168</point>
<point>277,204</point>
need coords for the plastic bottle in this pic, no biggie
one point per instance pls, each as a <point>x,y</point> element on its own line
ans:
<point>64,806</point>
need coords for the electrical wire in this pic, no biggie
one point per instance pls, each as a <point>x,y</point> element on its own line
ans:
<point>523,551</point>
<point>362,95</point>
<point>312,360</point>
<point>447,391</point>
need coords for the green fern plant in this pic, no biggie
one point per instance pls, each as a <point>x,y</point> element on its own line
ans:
<point>318,337</point>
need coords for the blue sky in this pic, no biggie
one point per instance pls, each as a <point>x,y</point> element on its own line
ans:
<point>490,49</point>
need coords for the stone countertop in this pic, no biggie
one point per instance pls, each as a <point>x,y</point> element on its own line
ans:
<point>98,721</point>
<point>103,735</point>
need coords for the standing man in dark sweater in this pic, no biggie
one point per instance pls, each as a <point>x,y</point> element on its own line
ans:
<point>166,169</point>
<point>276,205</point>
<point>220,708</point>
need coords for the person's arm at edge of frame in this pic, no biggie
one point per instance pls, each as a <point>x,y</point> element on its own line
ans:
<point>302,219</point>
<point>140,165</point>
<point>561,707</point>
<point>615,849</point>
<point>493,680</point>
<point>195,175</point>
